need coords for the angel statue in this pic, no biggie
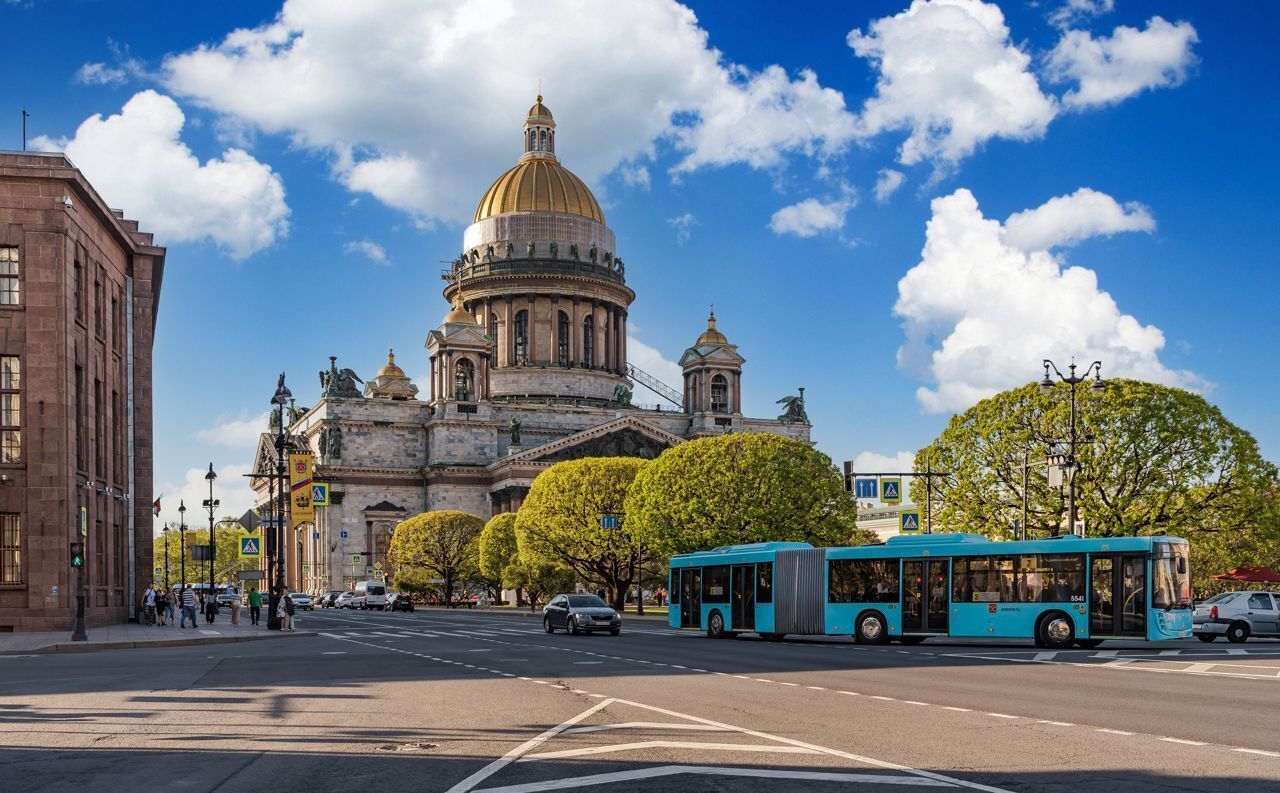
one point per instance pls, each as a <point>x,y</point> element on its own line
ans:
<point>341,384</point>
<point>793,410</point>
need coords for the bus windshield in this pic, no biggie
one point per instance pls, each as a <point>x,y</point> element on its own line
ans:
<point>1171,577</point>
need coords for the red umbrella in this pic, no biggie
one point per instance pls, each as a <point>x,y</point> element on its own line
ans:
<point>1258,575</point>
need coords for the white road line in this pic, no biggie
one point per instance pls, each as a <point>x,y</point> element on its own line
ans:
<point>586,663</point>
<point>914,702</point>
<point>1049,656</point>
<point>760,773</point>
<point>1184,741</point>
<point>1171,652</point>
<point>1003,716</point>
<point>334,652</point>
<point>953,707</point>
<point>1105,654</point>
<point>1056,723</point>
<point>626,747</point>
<point>631,725</point>
<point>1199,668</point>
<point>1262,752</point>
<point>1112,732</point>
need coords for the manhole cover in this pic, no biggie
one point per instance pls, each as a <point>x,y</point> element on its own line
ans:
<point>406,747</point>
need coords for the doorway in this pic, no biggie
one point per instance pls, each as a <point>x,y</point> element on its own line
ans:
<point>742,585</point>
<point>691,598</point>
<point>926,595</point>
<point>1117,595</point>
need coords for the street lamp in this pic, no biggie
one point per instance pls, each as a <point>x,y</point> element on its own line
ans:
<point>279,400</point>
<point>165,533</point>
<point>182,540</point>
<point>211,504</point>
<point>1072,465</point>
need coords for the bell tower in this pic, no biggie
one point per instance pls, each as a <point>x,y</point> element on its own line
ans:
<point>712,374</point>
<point>460,354</point>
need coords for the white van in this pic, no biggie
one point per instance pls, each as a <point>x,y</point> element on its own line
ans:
<point>370,595</point>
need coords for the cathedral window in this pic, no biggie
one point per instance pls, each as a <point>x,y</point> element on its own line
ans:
<point>493,325</point>
<point>464,381</point>
<point>522,338</point>
<point>542,140</point>
<point>562,339</point>
<point>719,394</point>
<point>588,340</point>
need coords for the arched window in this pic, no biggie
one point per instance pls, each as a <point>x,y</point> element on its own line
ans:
<point>551,140</point>
<point>719,394</point>
<point>533,139</point>
<point>464,378</point>
<point>493,325</point>
<point>562,339</point>
<point>588,340</point>
<point>542,140</point>
<point>522,337</point>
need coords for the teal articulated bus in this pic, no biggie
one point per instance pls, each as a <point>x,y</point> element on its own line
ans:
<point>1057,592</point>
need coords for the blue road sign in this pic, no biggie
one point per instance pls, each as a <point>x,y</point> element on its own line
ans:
<point>608,521</point>
<point>315,535</point>
<point>250,547</point>
<point>909,522</point>
<point>344,535</point>
<point>867,488</point>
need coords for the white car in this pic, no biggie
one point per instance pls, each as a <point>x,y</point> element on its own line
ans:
<point>345,601</point>
<point>1237,615</point>
<point>302,601</point>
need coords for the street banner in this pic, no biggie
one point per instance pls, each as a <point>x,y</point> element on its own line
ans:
<point>909,521</point>
<point>891,490</point>
<point>301,510</point>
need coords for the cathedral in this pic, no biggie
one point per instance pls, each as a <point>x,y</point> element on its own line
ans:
<point>528,367</point>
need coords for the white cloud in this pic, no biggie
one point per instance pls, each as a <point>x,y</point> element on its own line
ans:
<point>1068,219</point>
<point>138,162</point>
<point>369,249</point>
<point>237,433</point>
<point>949,74</point>
<point>1073,11</point>
<point>684,226</point>
<point>887,183</point>
<point>1110,69</point>
<point>811,217</point>
<point>651,361</point>
<point>100,74</point>
<point>231,489</point>
<point>426,124</point>
<point>980,314</point>
<point>873,462</point>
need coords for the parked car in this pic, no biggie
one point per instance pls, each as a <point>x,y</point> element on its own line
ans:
<point>224,601</point>
<point>580,614</point>
<point>302,601</point>
<point>398,602</point>
<point>345,600</point>
<point>327,600</point>
<point>1237,615</point>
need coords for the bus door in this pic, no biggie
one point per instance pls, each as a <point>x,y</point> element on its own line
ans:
<point>926,595</point>
<point>1117,595</point>
<point>691,597</point>
<point>742,587</point>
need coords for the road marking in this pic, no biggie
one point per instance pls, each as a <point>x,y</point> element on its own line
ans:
<point>1184,741</point>
<point>759,773</point>
<point>886,699</point>
<point>1113,732</point>
<point>953,707</point>
<point>1170,652</point>
<point>815,688</point>
<point>1234,651</point>
<point>627,747</point>
<point>586,663</point>
<point>334,652</point>
<point>1049,656</point>
<point>1105,654</point>
<point>1262,752</point>
<point>914,702</point>
<point>632,725</point>
<point>785,683</point>
<point>1199,668</point>
<point>1056,723</point>
<point>1003,716</point>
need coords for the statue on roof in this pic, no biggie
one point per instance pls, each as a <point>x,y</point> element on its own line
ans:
<point>622,395</point>
<point>793,410</point>
<point>339,384</point>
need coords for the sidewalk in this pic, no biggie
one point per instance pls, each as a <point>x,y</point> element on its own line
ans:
<point>113,637</point>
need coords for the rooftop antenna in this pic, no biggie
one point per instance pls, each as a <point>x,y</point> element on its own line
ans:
<point>25,116</point>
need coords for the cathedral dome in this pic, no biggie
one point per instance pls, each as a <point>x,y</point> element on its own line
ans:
<point>390,369</point>
<point>711,335</point>
<point>540,110</point>
<point>459,315</point>
<point>539,185</point>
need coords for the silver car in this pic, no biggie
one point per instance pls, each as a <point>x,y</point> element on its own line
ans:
<point>1237,615</point>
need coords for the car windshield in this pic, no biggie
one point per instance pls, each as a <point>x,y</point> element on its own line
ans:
<point>1171,577</point>
<point>1221,597</point>
<point>587,602</point>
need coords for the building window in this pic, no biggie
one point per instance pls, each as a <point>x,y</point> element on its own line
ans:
<point>100,429</point>
<point>464,381</point>
<point>10,409</point>
<point>9,277</point>
<point>10,548</point>
<point>562,339</point>
<point>719,394</point>
<point>522,337</point>
<point>493,325</point>
<point>588,340</point>
<point>98,325</point>
<point>78,290</point>
<point>80,433</point>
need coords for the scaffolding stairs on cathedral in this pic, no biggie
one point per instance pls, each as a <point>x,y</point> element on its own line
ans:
<point>655,385</point>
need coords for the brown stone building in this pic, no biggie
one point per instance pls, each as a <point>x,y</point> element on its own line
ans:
<point>79,288</point>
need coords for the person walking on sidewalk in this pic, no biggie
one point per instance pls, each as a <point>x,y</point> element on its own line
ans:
<point>162,606</point>
<point>188,608</point>
<point>255,606</point>
<point>236,603</point>
<point>149,605</point>
<point>210,607</point>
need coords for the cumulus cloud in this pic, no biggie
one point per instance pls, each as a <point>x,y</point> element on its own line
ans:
<point>423,128</point>
<point>652,361</point>
<point>1068,219</point>
<point>240,433</point>
<point>684,226</point>
<point>1074,11</point>
<point>949,74</point>
<point>811,217</point>
<point>1113,68</point>
<point>887,183</point>
<point>100,74</point>
<point>368,249</point>
<point>138,162</point>
<point>868,462</point>
<point>980,314</point>
<point>231,489</point>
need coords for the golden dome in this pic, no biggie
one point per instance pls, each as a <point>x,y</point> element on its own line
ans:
<point>711,335</point>
<point>540,110</point>
<point>458,315</point>
<point>391,370</point>
<point>539,185</point>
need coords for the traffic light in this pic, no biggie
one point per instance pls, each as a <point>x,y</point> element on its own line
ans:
<point>77,554</point>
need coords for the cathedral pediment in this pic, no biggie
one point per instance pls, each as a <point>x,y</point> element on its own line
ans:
<point>624,437</point>
<point>713,355</point>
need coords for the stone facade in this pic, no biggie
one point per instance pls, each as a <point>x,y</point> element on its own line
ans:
<point>77,408</point>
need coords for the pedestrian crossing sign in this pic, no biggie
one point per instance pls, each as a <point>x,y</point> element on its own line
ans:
<point>159,570</point>
<point>319,494</point>
<point>909,522</point>
<point>891,490</point>
<point>250,548</point>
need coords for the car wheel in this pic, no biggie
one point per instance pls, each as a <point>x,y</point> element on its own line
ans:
<point>1206,637</point>
<point>546,625</point>
<point>1056,630</point>
<point>715,625</point>
<point>615,631</point>
<point>1238,633</point>
<point>872,629</point>
<point>573,627</point>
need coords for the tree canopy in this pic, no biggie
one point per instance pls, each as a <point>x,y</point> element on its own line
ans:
<point>498,545</point>
<point>227,562</point>
<point>739,488</point>
<point>560,521</point>
<point>440,544</point>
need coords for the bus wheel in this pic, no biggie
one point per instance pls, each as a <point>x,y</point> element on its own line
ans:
<point>1088,644</point>
<point>1056,630</point>
<point>911,639</point>
<point>872,629</point>
<point>715,625</point>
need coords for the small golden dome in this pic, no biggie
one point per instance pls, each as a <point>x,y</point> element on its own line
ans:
<point>458,315</point>
<point>539,185</point>
<point>711,335</point>
<point>391,370</point>
<point>540,110</point>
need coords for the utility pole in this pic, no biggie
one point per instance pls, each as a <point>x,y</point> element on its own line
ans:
<point>25,116</point>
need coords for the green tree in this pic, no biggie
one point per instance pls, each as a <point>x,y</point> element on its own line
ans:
<point>227,561</point>
<point>439,544</point>
<point>560,521</point>
<point>538,579</point>
<point>862,537</point>
<point>498,544</point>
<point>739,488</point>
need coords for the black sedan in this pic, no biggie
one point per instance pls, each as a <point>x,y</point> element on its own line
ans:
<point>580,614</point>
<point>398,602</point>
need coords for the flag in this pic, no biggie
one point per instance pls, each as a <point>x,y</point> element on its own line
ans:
<point>155,508</point>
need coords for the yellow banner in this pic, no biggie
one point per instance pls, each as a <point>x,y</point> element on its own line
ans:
<point>301,509</point>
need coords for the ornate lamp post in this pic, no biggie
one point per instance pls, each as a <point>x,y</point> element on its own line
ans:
<point>211,504</point>
<point>279,400</point>
<point>165,533</point>
<point>182,540</point>
<point>1072,466</point>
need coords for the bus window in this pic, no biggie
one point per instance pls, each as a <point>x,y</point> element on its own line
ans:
<point>715,585</point>
<point>991,579</point>
<point>764,582</point>
<point>673,591</point>
<point>862,581</point>
<point>1064,578</point>
<point>961,589</point>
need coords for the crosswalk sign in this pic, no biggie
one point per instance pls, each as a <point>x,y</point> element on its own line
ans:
<point>891,490</point>
<point>319,494</point>
<point>250,548</point>
<point>909,521</point>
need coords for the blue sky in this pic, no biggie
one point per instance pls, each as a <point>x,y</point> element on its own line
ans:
<point>1072,177</point>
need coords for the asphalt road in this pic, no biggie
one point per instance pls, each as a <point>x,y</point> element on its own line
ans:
<point>471,702</point>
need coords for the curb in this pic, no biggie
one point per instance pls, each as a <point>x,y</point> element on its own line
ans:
<point>86,647</point>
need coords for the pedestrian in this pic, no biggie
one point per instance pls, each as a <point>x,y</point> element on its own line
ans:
<point>171,607</point>
<point>285,610</point>
<point>149,605</point>
<point>188,608</point>
<point>236,604</point>
<point>162,606</point>
<point>255,606</point>
<point>210,607</point>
